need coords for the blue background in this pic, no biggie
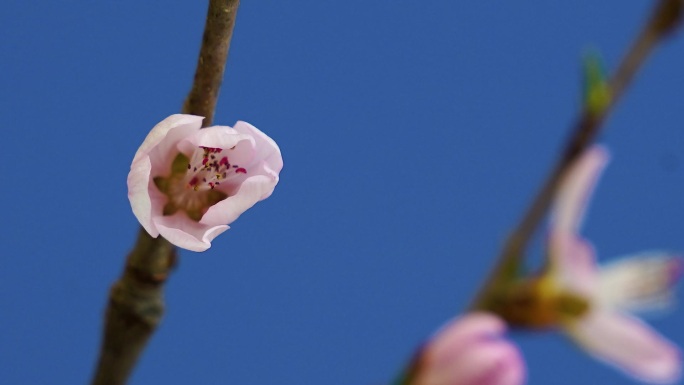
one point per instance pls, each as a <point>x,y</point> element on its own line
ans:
<point>414,135</point>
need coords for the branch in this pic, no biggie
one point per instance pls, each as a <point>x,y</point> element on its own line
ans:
<point>212,59</point>
<point>666,17</point>
<point>135,308</point>
<point>136,300</point>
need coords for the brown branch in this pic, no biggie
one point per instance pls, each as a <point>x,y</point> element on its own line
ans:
<point>212,59</point>
<point>135,308</point>
<point>136,300</point>
<point>666,17</point>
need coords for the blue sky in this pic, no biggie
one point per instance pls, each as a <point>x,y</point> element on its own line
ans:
<point>413,134</point>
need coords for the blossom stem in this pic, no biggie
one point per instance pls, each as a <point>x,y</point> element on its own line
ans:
<point>136,305</point>
<point>667,16</point>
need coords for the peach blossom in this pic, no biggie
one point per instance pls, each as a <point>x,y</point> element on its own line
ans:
<point>188,184</point>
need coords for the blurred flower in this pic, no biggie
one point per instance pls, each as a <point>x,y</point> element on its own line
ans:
<point>592,302</point>
<point>469,350</point>
<point>188,184</point>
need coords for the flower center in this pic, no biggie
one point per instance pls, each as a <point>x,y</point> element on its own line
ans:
<point>535,303</point>
<point>193,185</point>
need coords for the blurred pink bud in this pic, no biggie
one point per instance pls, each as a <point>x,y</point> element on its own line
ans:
<point>469,350</point>
<point>640,282</point>
<point>188,184</point>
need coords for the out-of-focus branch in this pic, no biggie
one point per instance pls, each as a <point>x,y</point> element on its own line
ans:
<point>136,300</point>
<point>666,17</point>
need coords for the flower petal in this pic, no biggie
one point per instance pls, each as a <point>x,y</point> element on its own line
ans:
<point>139,194</point>
<point>641,282</point>
<point>490,363</point>
<point>251,191</point>
<point>469,350</point>
<point>460,329</point>
<point>218,137</point>
<point>266,148</point>
<point>143,200</point>
<point>574,191</point>
<point>486,362</point>
<point>573,262</point>
<point>183,232</point>
<point>630,345</point>
<point>160,131</point>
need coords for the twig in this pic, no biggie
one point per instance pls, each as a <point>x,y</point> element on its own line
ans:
<point>665,19</point>
<point>136,300</point>
<point>135,308</point>
<point>212,59</point>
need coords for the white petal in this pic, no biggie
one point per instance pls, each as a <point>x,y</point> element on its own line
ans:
<point>160,131</point>
<point>573,262</point>
<point>139,194</point>
<point>641,282</point>
<point>222,137</point>
<point>251,191</point>
<point>630,345</point>
<point>186,233</point>
<point>573,194</point>
<point>266,148</point>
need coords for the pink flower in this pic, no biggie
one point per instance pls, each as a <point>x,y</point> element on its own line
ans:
<point>188,184</point>
<point>641,282</point>
<point>469,350</point>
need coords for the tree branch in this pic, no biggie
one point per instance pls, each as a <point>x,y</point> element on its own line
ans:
<point>666,17</point>
<point>135,308</point>
<point>212,59</point>
<point>136,300</point>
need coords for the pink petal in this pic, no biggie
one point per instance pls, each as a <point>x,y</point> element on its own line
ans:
<point>471,326</point>
<point>186,233</point>
<point>252,190</point>
<point>260,183</point>
<point>144,200</point>
<point>139,195</point>
<point>630,345</point>
<point>575,189</point>
<point>574,262</point>
<point>266,148</point>
<point>487,362</point>
<point>469,351</point>
<point>510,371</point>
<point>161,130</point>
<point>220,137</point>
